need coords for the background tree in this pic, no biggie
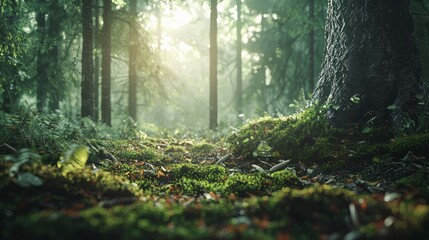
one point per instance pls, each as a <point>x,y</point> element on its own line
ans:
<point>12,43</point>
<point>280,52</point>
<point>42,61</point>
<point>239,93</point>
<point>132,61</point>
<point>96,33</point>
<point>55,39</point>
<point>213,65</point>
<point>87,97</point>
<point>106,107</point>
<point>371,63</point>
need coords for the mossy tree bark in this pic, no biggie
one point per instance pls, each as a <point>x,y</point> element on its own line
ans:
<point>371,62</point>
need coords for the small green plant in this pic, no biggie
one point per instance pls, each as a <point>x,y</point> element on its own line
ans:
<point>75,158</point>
<point>303,102</point>
<point>48,133</point>
<point>23,179</point>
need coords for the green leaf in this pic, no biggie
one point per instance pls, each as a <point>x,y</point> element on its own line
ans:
<point>367,130</point>
<point>28,179</point>
<point>75,158</point>
<point>355,98</point>
<point>392,107</point>
<point>14,168</point>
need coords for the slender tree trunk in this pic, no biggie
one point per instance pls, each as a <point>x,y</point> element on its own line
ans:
<point>371,57</point>
<point>239,92</point>
<point>159,28</point>
<point>311,42</point>
<point>264,88</point>
<point>54,22</point>
<point>132,62</point>
<point>106,107</point>
<point>87,87</point>
<point>42,74</point>
<point>96,58</point>
<point>213,65</point>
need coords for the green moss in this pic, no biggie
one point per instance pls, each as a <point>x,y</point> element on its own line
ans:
<point>176,153</point>
<point>284,178</point>
<point>418,181</point>
<point>210,173</point>
<point>202,149</point>
<point>300,214</point>
<point>244,184</point>
<point>175,149</point>
<point>302,136</point>
<point>83,187</point>
<point>195,187</point>
<point>417,143</point>
<point>308,137</point>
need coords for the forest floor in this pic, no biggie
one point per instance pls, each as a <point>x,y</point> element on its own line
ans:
<point>289,178</point>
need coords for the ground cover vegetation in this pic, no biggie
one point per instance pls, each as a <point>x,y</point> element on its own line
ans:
<point>321,181</point>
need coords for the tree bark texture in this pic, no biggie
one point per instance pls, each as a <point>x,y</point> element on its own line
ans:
<point>106,106</point>
<point>371,57</point>
<point>213,66</point>
<point>132,62</point>
<point>87,86</point>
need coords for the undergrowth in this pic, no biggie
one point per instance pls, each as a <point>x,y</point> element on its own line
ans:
<point>128,184</point>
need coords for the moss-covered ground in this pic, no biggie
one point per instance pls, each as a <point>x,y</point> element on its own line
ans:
<point>294,177</point>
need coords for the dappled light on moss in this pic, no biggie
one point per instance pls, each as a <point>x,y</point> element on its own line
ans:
<point>244,188</point>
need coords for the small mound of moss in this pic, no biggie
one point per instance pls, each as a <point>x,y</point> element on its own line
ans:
<point>83,188</point>
<point>418,181</point>
<point>309,137</point>
<point>210,173</point>
<point>305,136</point>
<point>196,179</point>
<point>202,150</point>
<point>245,184</point>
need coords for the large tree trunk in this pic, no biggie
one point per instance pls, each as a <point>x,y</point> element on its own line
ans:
<point>371,62</point>
<point>87,87</point>
<point>106,106</point>
<point>132,62</point>
<point>213,65</point>
<point>239,91</point>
